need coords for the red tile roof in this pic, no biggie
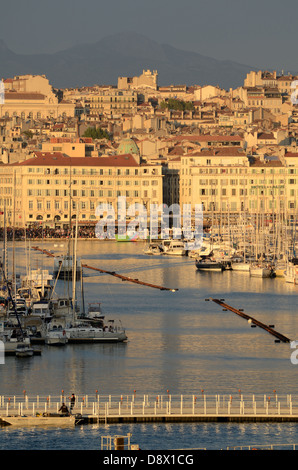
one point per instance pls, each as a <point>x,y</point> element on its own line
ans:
<point>291,154</point>
<point>60,159</point>
<point>221,152</point>
<point>210,138</point>
<point>23,96</point>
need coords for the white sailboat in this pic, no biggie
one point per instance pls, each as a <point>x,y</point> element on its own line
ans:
<point>291,273</point>
<point>91,327</point>
<point>260,270</point>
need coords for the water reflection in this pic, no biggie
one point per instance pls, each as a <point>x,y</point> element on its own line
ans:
<point>177,341</point>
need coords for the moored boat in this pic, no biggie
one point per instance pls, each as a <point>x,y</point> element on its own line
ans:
<point>64,268</point>
<point>208,264</point>
<point>258,270</point>
<point>173,247</point>
<point>24,350</point>
<point>56,337</point>
<point>153,249</point>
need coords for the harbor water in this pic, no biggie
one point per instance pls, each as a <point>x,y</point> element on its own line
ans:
<point>178,343</point>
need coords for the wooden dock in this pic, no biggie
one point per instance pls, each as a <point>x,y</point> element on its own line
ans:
<point>252,320</point>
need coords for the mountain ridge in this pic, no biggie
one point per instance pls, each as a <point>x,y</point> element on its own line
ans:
<point>123,54</point>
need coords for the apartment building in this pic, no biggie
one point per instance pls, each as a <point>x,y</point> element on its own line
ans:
<point>229,182</point>
<point>52,187</point>
<point>32,97</point>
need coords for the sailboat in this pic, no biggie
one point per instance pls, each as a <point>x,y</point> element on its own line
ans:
<point>81,327</point>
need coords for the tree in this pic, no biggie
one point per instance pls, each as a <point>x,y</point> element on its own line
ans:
<point>96,133</point>
<point>28,134</point>
<point>176,105</point>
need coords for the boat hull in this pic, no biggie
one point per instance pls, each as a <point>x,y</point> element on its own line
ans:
<point>209,266</point>
<point>57,421</point>
<point>240,267</point>
<point>260,272</point>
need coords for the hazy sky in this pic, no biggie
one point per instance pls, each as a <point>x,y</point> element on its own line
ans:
<point>259,33</point>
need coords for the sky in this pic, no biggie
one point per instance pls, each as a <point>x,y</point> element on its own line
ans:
<point>258,33</point>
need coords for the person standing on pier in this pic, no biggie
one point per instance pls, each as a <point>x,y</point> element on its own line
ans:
<point>72,402</point>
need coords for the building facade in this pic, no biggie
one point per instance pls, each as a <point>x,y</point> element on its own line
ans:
<point>51,188</point>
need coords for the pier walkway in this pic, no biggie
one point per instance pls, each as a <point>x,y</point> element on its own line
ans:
<point>136,408</point>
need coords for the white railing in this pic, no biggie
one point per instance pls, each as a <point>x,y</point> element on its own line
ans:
<point>154,405</point>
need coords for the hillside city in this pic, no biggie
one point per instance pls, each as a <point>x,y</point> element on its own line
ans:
<point>62,152</point>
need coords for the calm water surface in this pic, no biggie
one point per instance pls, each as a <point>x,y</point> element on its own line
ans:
<point>177,342</point>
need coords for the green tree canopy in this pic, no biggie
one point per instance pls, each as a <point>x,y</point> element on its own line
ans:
<point>176,105</point>
<point>96,133</point>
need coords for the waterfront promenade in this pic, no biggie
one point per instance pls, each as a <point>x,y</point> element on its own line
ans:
<point>136,408</point>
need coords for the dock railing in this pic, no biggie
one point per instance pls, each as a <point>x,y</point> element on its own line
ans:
<point>136,404</point>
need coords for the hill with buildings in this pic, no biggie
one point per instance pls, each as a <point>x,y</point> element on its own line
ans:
<point>123,54</point>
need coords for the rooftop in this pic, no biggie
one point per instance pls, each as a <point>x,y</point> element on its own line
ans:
<point>60,159</point>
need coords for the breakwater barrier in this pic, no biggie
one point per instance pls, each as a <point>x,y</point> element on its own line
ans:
<point>158,408</point>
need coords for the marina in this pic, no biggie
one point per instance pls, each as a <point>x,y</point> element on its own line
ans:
<point>176,341</point>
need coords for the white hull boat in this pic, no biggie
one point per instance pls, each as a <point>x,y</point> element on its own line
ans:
<point>56,337</point>
<point>291,274</point>
<point>260,271</point>
<point>152,249</point>
<point>241,266</point>
<point>173,247</point>
<point>87,333</point>
<point>58,421</point>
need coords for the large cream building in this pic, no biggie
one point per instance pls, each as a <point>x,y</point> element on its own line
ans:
<point>227,181</point>
<point>52,187</point>
<point>32,97</point>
